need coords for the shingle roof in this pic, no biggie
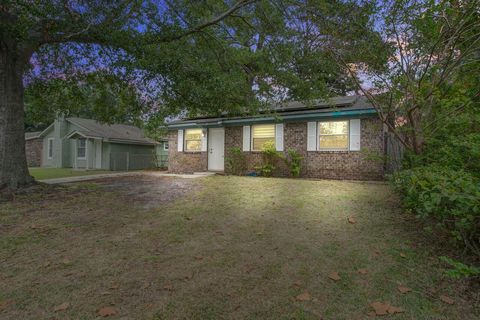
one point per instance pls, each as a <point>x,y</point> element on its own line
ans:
<point>356,102</point>
<point>114,132</point>
<point>344,103</point>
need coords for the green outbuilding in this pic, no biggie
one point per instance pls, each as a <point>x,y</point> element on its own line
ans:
<point>88,144</point>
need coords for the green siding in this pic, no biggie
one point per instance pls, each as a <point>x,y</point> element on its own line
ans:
<point>45,161</point>
<point>131,157</point>
<point>139,156</point>
<point>162,154</point>
<point>106,155</point>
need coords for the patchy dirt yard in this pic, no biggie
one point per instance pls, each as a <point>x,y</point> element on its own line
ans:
<point>220,248</point>
<point>148,191</point>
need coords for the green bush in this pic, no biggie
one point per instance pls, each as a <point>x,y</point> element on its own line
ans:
<point>293,161</point>
<point>236,161</point>
<point>457,152</point>
<point>450,197</point>
<point>460,270</point>
<point>269,159</point>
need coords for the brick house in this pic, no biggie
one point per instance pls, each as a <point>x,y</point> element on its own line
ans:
<point>338,139</point>
<point>33,148</point>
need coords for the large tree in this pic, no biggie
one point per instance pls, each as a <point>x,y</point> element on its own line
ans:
<point>433,70</point>
<point>202,57</point>
<point>87,28</point>
<point>265,53</point>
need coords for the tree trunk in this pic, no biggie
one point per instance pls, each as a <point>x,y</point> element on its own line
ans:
<point>13,162</point>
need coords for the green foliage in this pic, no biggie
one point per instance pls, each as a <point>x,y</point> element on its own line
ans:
<point>294,162</point>
<point>455,142</point>
<point>99,96</point>
<point>269,159</point>
<point>448,196</point>
<point>236,161</point>
<point>459,269</point>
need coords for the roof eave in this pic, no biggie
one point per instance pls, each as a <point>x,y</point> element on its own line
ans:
<point>122,141</point>
<point>279,118</point>
<point>82,134</point>
<point>33,137</point>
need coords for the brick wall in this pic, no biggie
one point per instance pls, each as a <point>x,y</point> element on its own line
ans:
<point>33,149</point>
<point>184,162</point>
<point>355,165</point>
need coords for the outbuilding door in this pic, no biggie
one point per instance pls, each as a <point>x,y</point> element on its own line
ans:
<point>216,149</point>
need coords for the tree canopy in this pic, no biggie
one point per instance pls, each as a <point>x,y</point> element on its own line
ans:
<point>263,52</point>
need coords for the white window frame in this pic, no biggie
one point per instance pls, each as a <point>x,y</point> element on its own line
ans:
<point>49,145</point>
<point>262,124</point>
<point>185,149</point>
<point>333,149</point>
<point>85,156</point>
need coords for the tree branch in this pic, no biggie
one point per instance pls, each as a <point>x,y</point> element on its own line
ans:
<point>211,22</point>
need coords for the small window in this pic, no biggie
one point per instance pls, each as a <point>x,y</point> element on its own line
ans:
<point>262,134</point>
<point>333,135</point>
<point>165,146</point>
<point>81,148</point>
<point>193,139</point>
<point>50,148</point>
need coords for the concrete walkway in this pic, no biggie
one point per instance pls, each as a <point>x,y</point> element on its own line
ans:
<point>124,174</point>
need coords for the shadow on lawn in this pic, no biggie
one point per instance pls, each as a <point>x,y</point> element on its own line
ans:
<point>217,247</point>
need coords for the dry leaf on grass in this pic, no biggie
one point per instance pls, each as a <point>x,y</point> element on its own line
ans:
<point>404,290</point>
<point>297,284</point>
<point>334,276</point>
<point>403,255</point>
<point>114,286</point>
<point>393,310</point>
<point>351,220</point>
<point>188,276</point>
<point>363,271</point>
<point>198,257</point>
<point>303,297</point>
<point>4,304</point>
<point>107,311</point>
<point>382,309</point>
<point>447,299</point>
<point>247,268</point>
<point>61,307</point>
<point>168,287</point>
<point>66,262</point>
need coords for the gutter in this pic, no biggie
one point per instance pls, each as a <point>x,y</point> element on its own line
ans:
<point>131,142</point>
<point>33,138</point>
<point>279,118</point>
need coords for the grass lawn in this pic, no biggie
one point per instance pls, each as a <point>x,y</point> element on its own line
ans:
<point>219,247</point>
<point>53,173</point>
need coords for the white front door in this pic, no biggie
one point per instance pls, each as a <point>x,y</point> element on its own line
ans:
<point>98,154</point>
<point>216,149</point>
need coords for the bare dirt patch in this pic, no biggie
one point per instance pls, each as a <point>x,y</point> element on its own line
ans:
<point>146,190</point>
